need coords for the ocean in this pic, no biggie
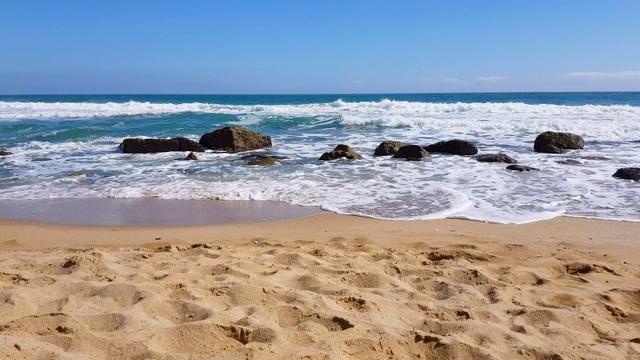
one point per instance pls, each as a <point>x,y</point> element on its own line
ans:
<point>66,147</point>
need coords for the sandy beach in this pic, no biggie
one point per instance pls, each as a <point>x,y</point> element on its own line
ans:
<point>321,287</point>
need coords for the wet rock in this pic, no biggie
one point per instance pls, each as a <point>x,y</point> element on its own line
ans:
<point>5,153</point>
<point>146,146</point>
<point>521,168</point>
<point>341,151</point>
<point>388,148</point>
<point>496,158</point>
<point>411,152</point>
<point>569,162</point>
<point>269,160</point>
<point>557,142</point>
<point>454,147</point>
<point>628,174</point>
<point>234,139</point>
<point>191,156</point>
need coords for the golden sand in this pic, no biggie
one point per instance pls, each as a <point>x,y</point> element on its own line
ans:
<point>322,287</point>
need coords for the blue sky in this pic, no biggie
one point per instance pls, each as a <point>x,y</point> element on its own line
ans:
<point>324,46</point>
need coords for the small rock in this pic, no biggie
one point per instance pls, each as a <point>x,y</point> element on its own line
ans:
<point>341,151</point>
<point>191,156</point>
<point>18,347</point>
<point>496,158</point>
<point>5,153</point>
<point>454,147</point>
<point>521,168</point>
<point>388,148</point>
<point>628,174</point>
<point>411,152</point>
<point>269,160</point>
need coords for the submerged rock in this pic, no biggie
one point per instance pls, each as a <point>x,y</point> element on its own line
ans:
<point>411,152</point>
<point>557,142</point>
<point>234,139</point>
<point>191,156</point>
<point>454,147</point>
<point>145,146</point>
<point>5,153</point>
<point>341,151</point>
<point>268,160</point>
<point>389,148</point>
<point>521,168</point>
<point>628,174</point>
<point>496,158</point>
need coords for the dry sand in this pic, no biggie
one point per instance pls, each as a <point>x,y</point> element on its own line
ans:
<point>322,287</point>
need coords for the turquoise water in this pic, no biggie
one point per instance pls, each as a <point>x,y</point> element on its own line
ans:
<point>66,147</point>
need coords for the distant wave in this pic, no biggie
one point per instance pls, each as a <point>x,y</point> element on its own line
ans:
<point>71,110</point>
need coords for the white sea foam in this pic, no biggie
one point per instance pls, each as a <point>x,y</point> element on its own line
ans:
<point>443,186</point>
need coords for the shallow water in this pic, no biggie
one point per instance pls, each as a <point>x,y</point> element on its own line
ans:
<point>67,147</point>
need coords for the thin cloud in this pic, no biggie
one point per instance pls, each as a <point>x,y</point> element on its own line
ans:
<point>357,82</point>
<point>620,75</point>
<point>450,80</point>
<point>492,79</point>
<point>424,80</point>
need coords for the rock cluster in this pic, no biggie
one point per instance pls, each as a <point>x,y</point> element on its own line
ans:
<point>235,139</point>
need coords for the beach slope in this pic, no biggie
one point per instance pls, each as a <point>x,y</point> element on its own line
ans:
<point>321,287</point>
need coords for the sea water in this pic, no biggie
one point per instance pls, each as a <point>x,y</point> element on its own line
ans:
<point>67,147</point>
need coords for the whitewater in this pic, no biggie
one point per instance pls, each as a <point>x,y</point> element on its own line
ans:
<point>67,147</point>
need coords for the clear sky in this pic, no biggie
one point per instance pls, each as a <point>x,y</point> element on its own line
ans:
<point>318,46</point>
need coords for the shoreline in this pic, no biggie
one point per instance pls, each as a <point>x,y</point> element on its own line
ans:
<point>148,211</point>
<point>320,227</point>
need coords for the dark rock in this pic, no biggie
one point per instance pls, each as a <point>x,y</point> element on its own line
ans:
<point>596,158</point>
<point>234,139</point>
<point>146,146</point>
<point>341,151</point>
<point>521,168</point>
<point>628,174</point>
<point>557,142</point>
<point>388,148</point>
<point>569,162</point>
<point>254,157</point>
<point>191,156</point>
<point>496,158</point>
<point>269,160</point>
<point>411,152</point>
<point>5,153</point>
<point>455,147</point>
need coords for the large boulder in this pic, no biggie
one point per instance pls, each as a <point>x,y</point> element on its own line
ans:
<point>5,153</point>
<point>341,151</point>
<point>496,158</point>
<point>144,146</point>
<point>455,147</point>
<point>388,148</point>
<point>628,174</point>
<point>411,152</point>
<point>557,142</point>
<point>234,139</point>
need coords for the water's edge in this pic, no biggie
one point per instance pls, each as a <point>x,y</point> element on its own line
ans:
<point>149,211</point>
